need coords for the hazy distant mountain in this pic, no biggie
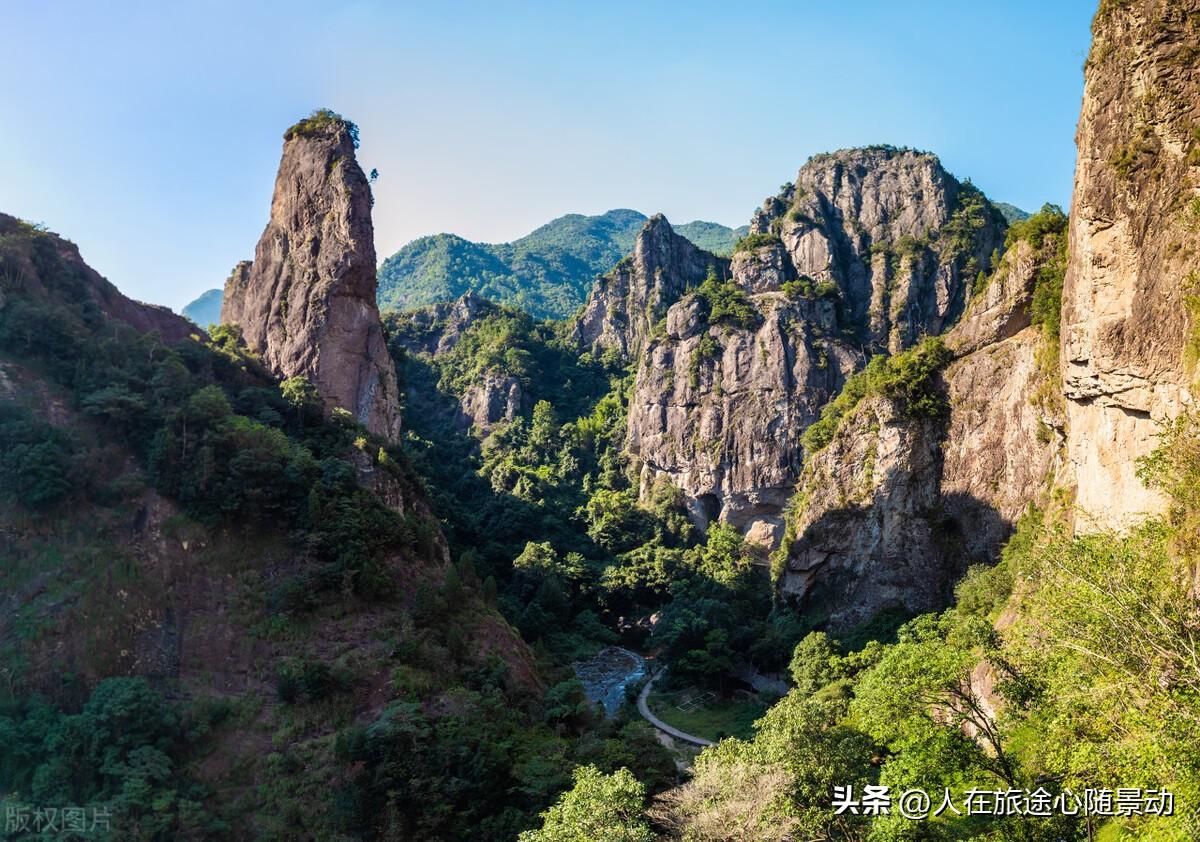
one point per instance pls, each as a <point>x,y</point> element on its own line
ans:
<point>1011,213</point>
<point>547,273</point>
<point>205,310</point>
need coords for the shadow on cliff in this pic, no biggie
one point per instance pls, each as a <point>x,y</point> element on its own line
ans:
<point>862,571</point>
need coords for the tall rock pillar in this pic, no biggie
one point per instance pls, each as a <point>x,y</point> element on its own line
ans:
<point>306,305</point>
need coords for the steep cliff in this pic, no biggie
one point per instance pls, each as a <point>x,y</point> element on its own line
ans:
<point>868,250</point>
<point>306,305</point>
<point>1129,318</point>
<point>718,406</point>
<point>890,512</point>
<point>901,238</point>
<point>625,304</point>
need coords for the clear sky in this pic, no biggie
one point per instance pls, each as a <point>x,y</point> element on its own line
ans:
<point>149,132</point>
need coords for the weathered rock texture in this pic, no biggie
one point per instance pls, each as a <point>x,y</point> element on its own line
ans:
<point>496,396</point>
<point>625,304</point>
<point>27,251</point>
<point>1134,240</point>
<point>718,409</point>
<point>306,305</point>
<point>867,531</point>
<point>901,238</point>
<point>893,510</point>
<point>497,399</point>
<point>875,247</point>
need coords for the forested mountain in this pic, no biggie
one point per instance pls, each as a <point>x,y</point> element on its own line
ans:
<point>900,492</point>
<point>546,273</point>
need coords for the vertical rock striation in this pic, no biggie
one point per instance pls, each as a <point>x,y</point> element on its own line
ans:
<point>901,238</point>
<point>306,305</point>
<point>891,512</point>
<point>1134,251</point>
<point>868,250</point>
<point>625,304</point>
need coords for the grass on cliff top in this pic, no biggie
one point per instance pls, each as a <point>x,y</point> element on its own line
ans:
<point>319,123</point>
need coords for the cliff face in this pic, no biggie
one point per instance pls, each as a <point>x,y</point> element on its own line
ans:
<point>895,508</point>
<point>902,239</point>
<point>28,253</point>
<point>625,304</point>
<point>1134,239</point>
<point>869,249</point>
<point>866,528</point>
<point>306,305</point>
<point>718,409</point>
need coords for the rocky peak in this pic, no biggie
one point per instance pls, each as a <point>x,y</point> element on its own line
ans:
<point>306,305</point>
<point>625,304</point>
<point>901,238</point>
<point>1128,331</point>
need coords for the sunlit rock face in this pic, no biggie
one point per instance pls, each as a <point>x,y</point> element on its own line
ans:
<point>306,305</point>
<point>1134,234</point>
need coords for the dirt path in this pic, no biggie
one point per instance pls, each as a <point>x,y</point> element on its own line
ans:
<point>644,710</point>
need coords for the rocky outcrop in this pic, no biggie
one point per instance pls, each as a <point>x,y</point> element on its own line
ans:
<point>901,238</point>
<point>866,532</point>
<point>626,304</point>
<point>306,305</point>
<point>1134,237</point>
<point>718,409</point>
<point>436,329</point>
<point>497,399</point>
<point>868,250</point>
<point>26,251</point>
<point>890,513</point>
<point>495,396</point>
<point>1000,309</point>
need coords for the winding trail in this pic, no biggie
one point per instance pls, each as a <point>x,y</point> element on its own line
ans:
<point>644,710</point>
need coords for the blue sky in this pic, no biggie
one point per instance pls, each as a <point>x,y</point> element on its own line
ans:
<point>150,136</point>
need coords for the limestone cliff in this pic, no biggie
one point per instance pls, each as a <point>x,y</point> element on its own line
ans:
<point>28,251</point>
<point>891,512</point>
<point>868,250</point>
<point>625,304</point>
<point>901,238</point>
<point>1128,327</point>
<point>306,305</point>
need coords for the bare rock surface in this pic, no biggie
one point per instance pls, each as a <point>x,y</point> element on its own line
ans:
<point>625,304</point>
<point>868,250</point>
<point>1134,237</point>
<point>306,305</point>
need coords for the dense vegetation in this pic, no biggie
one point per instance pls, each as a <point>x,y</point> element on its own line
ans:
<point>547,273</point>
<point>1075,711</point>
<point>557,473</point>
<point>1046,231</point>
<point>259,465</point>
